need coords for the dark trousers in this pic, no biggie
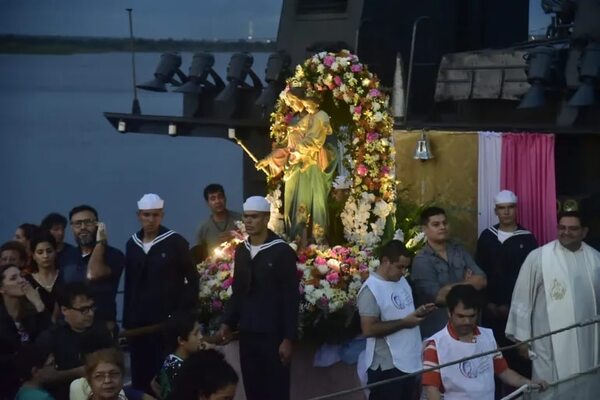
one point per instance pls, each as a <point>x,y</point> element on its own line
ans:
<point>265,378</point>
<point>397,390</point>
<point>147,355</point>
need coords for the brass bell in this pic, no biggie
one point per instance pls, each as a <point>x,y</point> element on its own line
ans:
<point>423,150</point>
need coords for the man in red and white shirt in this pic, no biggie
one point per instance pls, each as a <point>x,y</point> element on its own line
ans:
<point>461,338</point>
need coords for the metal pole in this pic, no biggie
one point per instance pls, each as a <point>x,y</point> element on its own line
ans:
<point>410,63</point>
<point>135,106</point>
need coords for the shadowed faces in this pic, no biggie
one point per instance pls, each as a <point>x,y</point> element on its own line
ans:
<point>151,220</point>
<point>85,225</point>
<point>255,222</point>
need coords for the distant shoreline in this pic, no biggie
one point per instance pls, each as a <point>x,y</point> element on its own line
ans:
<point>20,44</point>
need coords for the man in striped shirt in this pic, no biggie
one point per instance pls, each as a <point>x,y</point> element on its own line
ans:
<point>462,338</point>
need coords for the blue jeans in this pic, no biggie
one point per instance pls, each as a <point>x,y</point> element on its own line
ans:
<point>401,389</point>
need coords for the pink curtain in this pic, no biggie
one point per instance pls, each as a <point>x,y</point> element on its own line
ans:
<point>527,168</point>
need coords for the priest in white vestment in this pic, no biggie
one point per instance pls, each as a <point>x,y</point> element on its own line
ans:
<point>558,286</point>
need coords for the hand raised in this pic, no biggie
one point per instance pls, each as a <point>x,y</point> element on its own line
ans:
<point>101,235</point>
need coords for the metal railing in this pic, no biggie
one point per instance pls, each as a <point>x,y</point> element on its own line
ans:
<point>523,389</point>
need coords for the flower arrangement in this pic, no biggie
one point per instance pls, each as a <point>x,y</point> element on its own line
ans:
<point>216,278</point>
<point>340,79</point>
<point>330,281</point>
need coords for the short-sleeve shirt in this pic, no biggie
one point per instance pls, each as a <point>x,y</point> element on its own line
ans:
<point>430,273</point>
<point>209,231</point>
<point>103,290</point>
<point>167,373</point>
<point>367,307</point>
<point>430,359</point>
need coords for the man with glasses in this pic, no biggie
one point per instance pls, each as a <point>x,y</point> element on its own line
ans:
<point>94,262</point>
<point>558,286</point>
<point>68,339</point>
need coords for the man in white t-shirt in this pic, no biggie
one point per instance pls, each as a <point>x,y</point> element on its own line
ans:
<point>391,324</point>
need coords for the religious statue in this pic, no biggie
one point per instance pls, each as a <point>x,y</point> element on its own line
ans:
<point>308,165</point>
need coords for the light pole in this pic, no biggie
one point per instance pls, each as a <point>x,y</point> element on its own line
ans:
<point>135,106</point>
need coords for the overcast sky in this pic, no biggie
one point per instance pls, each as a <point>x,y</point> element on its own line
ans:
<point>177,19</point>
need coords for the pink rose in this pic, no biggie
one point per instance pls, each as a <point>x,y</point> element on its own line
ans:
<point>362,170</point>
<point>372,136</point>
<point>226,283</point>
<point>225,267</point>
<point>357,109</point>
<point>320,261</point>
<point>216,305</point>
<point>374,93</point>
<point>302,258</point>
<point>385,169</point>
<point>356,68</point>
<point>329,60</point>
<point>338,81</point>
<point>333,278</point>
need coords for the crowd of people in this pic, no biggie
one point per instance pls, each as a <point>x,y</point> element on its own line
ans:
<point>59,337</point>
<point>58,311</point>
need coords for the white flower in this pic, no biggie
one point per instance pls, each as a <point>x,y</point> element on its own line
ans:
<point>323,269</point>
<point>399,235</point>
<point>378,116</point>
<point>333,263</point>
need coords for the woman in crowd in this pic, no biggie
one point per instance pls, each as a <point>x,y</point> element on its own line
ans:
<point>22,317</point>
<point>45,277</point>
<point>205,375</point>
<point>104,372</point>
<point>23,235</point>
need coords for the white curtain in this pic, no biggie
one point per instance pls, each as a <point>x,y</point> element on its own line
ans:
<point>488,178</point>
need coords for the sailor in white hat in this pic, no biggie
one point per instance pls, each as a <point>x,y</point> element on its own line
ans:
<point>264,305</point>
<point>501,250</point>
<point>160,280</point>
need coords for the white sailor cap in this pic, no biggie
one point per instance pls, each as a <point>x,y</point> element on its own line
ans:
<point>505,197</point>
<point>257,203</point>
<point>150,201</point>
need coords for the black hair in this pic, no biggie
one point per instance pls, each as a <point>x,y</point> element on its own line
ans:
<point>393,249</point>
<point>430,212</point>
<point>30,356</point>
<point>29,230</point>
<point>213,188</point>
<point>67,294</point>
<point>465,294</point>
<point>202,374</point>
<point>178,326</point>
<point>16,246</point>
<point>573,214</point>
<point>83,207</point>
<point>41,237</point>
<point>53,219</point>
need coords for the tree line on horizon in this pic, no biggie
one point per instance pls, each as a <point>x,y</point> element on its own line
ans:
<point>23,44</point>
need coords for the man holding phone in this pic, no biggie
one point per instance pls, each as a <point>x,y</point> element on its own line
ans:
<point>94,262</point>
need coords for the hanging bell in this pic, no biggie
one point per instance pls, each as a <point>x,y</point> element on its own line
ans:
<point>423,150</point>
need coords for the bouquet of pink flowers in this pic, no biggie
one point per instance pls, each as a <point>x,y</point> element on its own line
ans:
<point>216,278</point>
<point>330,281</point>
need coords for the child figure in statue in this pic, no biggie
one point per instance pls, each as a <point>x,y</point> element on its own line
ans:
<point>308,165</point>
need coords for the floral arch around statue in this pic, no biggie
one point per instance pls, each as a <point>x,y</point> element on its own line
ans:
<point>331,275</point>
<point>351,95</point>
